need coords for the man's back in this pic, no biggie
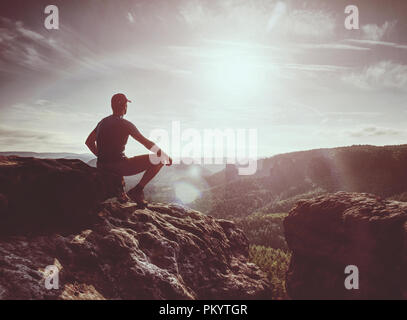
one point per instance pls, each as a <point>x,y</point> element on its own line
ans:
<point>112,134</point>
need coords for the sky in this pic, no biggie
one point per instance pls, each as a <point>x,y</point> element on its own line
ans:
<point>288,69</point>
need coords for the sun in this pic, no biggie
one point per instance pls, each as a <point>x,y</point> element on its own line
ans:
<point>236,73</point>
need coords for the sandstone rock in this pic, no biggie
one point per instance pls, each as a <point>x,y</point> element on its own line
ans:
<point>329,232</point>
<point>3,204</point>
<point>122,252</point>
<point>36,193</point>
<point>165,252</point>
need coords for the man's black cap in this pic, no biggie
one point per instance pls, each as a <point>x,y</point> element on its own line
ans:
<point>119,99</point>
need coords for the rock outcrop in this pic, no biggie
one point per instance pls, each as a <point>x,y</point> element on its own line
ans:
<point>38,193</point>
<point>330,232</point>
<point>122,252</point>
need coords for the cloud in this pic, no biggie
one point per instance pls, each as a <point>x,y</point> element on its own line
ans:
<point>353,114</point>
<point>30,34</point>
<point>44,113</point>
<point>308,24</point>
<point>6,133</point>
<point>383,75</point>
<point>373,131</point>
<point>266,19</point>
<point>371,43</point>
<point>23,49</point>
<point>43,125</point>
<point>225,19</point>
<point>333,46</point>
<point>377,33</point>
<point>373,35</point>
<point>32,140</point>
<point>313,67</point>
<point>19,46</point>
<point>278,11</point>
<point>130,17</point>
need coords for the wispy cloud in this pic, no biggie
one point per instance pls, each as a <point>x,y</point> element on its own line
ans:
<point>275,19</point>
<point>372,43</point>
<point>374,131</point>
<point>312,67</point>
<point>377,33</point>
<point>356,114</point>
<point>23,49</point>
<point>382,75</point>
<point>333,46</point>
<point>308,24</point>
<point>42,113</point>
<point>32,140</point>
<point>43,125</point>
<point>130,17</point>
<point>7,133</point>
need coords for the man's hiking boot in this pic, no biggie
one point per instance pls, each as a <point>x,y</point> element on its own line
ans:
<point>123,198</point>
<point>137,195</point>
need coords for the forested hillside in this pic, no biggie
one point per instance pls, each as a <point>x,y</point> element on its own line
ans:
<point>284,179</point>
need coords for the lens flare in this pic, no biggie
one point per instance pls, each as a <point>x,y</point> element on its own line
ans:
<point>194,172</point>
<point>186,192</point>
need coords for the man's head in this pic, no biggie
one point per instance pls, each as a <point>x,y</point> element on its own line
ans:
<point>119,104</point>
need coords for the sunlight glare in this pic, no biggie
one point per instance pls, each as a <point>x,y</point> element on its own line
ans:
<point>194,172</point>
<point>235,72</point>
<point>186,192</point>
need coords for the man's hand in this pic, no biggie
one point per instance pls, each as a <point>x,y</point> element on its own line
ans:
<point>165,159</point>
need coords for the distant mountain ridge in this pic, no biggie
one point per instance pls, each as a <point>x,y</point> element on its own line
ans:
<point>280,180</point>
<point>85,157</point>
<point>286,178</point>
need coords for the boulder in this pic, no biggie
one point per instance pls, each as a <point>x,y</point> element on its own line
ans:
<point>122,251</point>
<point>330,232</point>
<point>164,252</point>
<point>36,193</point>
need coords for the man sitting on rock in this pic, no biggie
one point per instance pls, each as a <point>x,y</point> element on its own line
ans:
<point>108,140</point>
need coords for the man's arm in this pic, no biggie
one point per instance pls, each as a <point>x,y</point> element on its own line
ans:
<point>143,140</point>
<point>91,142</point>
<point>136,134</point>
